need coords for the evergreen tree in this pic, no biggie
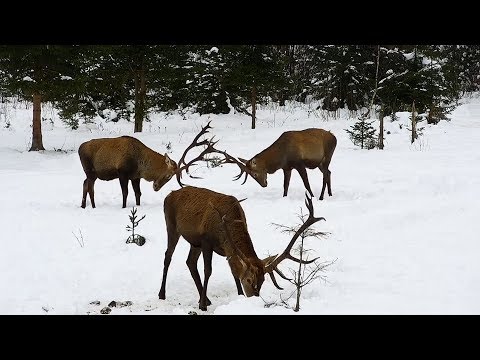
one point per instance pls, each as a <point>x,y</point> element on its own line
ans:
<point>286,57</point>
<point>392,67</point>
<point>342,75</point>
<point>38,74</point>
<point>416,73</point>
<point>461,64</point>
<point>203,89</point>
<point>362,133</point>
<point>121,81</point>
<point>98,88</point>
<point>252,75</point>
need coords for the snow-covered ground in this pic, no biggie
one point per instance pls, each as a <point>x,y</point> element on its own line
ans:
<point>403,222</point>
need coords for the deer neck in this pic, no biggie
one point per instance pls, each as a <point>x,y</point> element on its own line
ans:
<point>271,159</point>
<point>243,243</point>
<point>150,166</point>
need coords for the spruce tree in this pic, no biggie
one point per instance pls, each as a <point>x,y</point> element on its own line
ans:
<point>37,74</point>
<point>252,75</point>
<point>362,133</point>
<point>124,81</point>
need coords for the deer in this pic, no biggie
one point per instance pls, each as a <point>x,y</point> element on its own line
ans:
<point>127,158</point>
<point>213,222</point>
<point>310,148</point>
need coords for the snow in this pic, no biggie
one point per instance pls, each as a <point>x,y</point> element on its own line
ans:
<point>213,49</point>
<point>403,222</point>
<point>409,56</point>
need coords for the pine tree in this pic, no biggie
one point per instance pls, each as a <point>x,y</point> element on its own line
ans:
<point>134,238</point>
<point>421,74</point>
<point>202,86</point>
<point>38,73</point>
<point>252,76</point>
<point>362,133</point>
<point>342,75</point>
<point>123,81</point>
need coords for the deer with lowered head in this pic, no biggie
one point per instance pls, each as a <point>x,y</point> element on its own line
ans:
<point>215,222</point>
<point>127,158</point>
<point>310,148</point>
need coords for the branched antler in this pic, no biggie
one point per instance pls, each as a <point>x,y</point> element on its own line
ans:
<point>209,149</point>
<point>271,263</point>
<point>229,159</point>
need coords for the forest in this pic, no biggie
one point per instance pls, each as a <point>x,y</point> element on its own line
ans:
<point>133,81</point>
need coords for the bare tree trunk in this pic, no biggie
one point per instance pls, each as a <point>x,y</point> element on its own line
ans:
<point>299,277</point>
<point>254,105</point>
<point>37,143</point>
<point>380,132</point>
<point>432,114</point>
<point>140,93</point>
<point>376,79</point>
<point>414,123</point>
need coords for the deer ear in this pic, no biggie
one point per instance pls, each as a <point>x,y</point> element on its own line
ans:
<point>168,161</point>
<point>268,260</point>
<point>239,267</point>
<point>244,266</point>
<point>243,160</point>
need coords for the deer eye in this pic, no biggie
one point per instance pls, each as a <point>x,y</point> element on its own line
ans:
<point>169,176</point>
<point>249,281</point>
<point>255,175</point>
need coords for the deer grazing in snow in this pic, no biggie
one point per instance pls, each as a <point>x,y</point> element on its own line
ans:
<point>127,158</point>
<point>299,150</point>
<point>214,222</point>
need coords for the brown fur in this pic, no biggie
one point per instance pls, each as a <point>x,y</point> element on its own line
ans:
<point>299,150</point>
<point>124,158</point>
<point>190,212</point>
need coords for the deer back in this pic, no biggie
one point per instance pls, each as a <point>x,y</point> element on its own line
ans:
<point>190,210</point>
<point>310,147</point>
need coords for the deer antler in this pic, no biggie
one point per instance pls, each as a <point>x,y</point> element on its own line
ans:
<point>272,262</point>
<point>209,149</point>
<point>231,160</point>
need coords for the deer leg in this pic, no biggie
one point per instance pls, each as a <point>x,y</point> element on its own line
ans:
<point>173,237</point>
<point>326,182</point>
<point>91,193</point>
<point>286,180</point>
<point>85,189</point>
<point>192,260</point>
<point>303,174</point>
<point>124,186</point>
<point>207,265</point>
<point>88,187</point>
<point>239,286</point>
<point>136,189</point>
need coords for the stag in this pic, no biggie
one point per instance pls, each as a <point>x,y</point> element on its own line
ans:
<point>127,158</point>
<point>299,150</point>
<point>215,222</point>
